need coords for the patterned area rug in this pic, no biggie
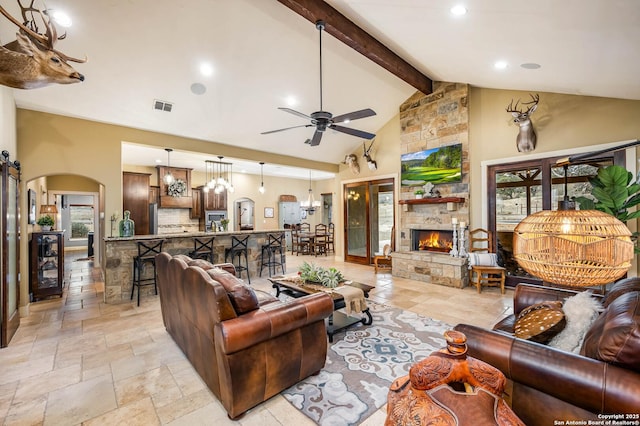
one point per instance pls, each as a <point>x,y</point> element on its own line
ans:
<point>362,363</point>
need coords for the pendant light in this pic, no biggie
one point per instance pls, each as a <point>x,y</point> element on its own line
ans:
<point>311,204</point>
<point>168,177</point>
<point>261,189</point>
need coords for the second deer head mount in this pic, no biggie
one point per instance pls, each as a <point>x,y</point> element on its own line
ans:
<point>367,155</point>
<point>31,61</point>
<point>526,140</point>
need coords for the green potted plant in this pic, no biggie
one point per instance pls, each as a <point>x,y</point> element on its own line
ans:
<point>419,193</point>
<point>316,274</point>
<point>45,222</point>
<point>224,223</point>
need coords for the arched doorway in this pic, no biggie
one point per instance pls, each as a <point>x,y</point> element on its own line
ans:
<point>244,216</point>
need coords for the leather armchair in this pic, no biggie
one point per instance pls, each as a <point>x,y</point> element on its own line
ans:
<point>246,347</point>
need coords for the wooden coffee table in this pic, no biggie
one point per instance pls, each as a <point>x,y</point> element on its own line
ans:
<point>338,320</point>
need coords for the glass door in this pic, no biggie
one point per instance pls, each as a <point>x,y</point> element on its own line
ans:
<point>356,222</point>
<point>517,190</point>
<point>369,219</point>
<point>10,318</point>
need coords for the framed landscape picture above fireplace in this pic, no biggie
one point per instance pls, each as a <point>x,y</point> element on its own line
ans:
<point>437,165</point>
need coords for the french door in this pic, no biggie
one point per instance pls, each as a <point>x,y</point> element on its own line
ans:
<point>368,218</point>
<point>516,190</point>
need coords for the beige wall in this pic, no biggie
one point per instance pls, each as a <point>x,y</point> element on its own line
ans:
<point>561,122</point>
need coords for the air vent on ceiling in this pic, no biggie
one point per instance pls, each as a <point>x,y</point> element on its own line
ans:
<point>162,105</point>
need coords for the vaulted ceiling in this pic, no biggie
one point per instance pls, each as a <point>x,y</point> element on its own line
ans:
<point>264,55</point>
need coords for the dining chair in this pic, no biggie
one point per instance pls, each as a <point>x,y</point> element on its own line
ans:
<point>331,248</point>
<point>321,239</point>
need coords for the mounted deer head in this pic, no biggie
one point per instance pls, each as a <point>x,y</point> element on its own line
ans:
<point>351,160</point>
<point>31,61</point>
<point>367,156</point>
<point>526,140</point>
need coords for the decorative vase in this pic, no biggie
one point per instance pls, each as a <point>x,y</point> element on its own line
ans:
<point>127,226</point>
<point>45,228</point>
<point>418,196</point>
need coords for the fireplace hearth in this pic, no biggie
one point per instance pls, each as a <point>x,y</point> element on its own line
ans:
<point>435,240</point>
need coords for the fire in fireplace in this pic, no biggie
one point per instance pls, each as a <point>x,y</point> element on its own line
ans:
<point>432,240</point>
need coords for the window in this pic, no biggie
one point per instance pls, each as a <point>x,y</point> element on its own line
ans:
<point>81,217</point>
<point>517,190</point>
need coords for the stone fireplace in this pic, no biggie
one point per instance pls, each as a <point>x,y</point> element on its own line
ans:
<point>435,240</point>
<point>432,121</point>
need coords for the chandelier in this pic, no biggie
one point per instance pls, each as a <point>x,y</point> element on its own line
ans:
<point>219,176</point>
<point>310,205</point>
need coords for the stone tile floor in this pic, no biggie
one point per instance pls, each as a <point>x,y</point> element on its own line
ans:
<point>76,360</point>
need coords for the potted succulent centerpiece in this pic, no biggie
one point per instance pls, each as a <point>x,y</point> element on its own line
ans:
<point>330,277</point>
<point>418,193</point>
<point>45,222</point>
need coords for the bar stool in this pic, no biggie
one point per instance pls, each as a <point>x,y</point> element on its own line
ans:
<point>274,246</point>
<point>237,250</point>
<point>147,251</point>
<point>202,249</point>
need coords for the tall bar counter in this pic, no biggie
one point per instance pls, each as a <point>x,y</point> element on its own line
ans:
<point>120,251</point>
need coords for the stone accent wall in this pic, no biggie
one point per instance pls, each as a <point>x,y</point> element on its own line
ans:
<point>431,121</point>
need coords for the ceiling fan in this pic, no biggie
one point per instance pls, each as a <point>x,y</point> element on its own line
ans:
<point>323,120</point>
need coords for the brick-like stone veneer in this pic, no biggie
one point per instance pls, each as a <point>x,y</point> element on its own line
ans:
<point>431,121</point>
<point>119,253</point>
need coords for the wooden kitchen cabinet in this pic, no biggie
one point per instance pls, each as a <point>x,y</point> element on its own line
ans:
<point>154,194</point>
<point>213,201</point>
<point>196,204</point>
<point>135,198</point>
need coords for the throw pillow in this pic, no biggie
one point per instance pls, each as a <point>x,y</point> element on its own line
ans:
<point>580,311</point>
<point>614,337</point>
<point>540,322</point>
<point>242,297</point>
<point>483,259</point>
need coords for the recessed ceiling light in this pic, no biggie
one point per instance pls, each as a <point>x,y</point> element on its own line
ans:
<point>206,69</point>
<point>530,66</point>
<point>291,101</point>
<point>347,121</point>
<point>500,65</point>
<point>158,161</point>
<point>62,18</point>
<point>459,10</point>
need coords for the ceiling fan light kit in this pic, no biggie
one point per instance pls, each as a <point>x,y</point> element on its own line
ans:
<point>323,120</point>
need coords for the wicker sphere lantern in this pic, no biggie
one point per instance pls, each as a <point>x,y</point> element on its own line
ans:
<point>574,248</point>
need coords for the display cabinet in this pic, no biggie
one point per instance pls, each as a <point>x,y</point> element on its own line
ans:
<point>46,264</point>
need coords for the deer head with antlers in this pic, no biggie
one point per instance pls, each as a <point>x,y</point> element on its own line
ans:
<point>31,61</point>
<point>526,140</point>
<point>351,160</point>
<point>367,156</point>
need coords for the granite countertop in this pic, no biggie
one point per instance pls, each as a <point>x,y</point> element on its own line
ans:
<point>191,234</point>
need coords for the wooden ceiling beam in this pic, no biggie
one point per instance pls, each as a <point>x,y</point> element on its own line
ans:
<point>355,37</point>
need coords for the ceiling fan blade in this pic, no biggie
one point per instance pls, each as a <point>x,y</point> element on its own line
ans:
<point>353,132</point>
<point>294,112</point>
<point>363,113</point>
<point>316,138</point>
<point>286,128</point>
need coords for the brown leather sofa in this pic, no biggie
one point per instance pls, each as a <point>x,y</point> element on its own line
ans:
<point>245,344</point>
<point>550,385</point>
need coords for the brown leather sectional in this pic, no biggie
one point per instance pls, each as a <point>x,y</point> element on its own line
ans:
<point>550,385</point>
<point>245,344</point>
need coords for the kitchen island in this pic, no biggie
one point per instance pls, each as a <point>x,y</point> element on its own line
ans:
<point>120,251</point>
